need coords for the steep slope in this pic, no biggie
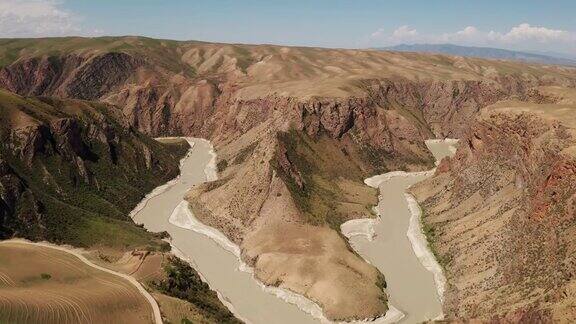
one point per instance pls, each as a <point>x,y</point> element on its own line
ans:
<point>500,215</point>
<point>283,204</point>
<point>168,87</point>
<point>296,130</point>
<point>72,170</point>
<point>70,173</point>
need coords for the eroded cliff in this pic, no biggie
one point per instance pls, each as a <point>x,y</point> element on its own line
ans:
<point>500,216</point>
<point>72,170</point>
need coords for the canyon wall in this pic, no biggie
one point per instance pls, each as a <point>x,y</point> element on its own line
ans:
<point>70,171</point>
<point>500,217</point>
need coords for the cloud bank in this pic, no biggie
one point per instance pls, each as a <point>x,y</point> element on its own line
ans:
<point>39,18</point>
<point>521,36</point>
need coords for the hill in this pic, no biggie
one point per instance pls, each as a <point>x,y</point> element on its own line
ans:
<point>45,285</point>
<point>70,173</point>
<point>501,213</point>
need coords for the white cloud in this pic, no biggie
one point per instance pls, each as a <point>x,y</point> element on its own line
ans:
<point>470,34</point>
<point>378,33</point>
<point>524,32</point>
<point>517,34</point>
<point>404,33</point>
<point>521,36</point>
<point>36,18</point>
<point>401,34</point>
<point>468,31</point>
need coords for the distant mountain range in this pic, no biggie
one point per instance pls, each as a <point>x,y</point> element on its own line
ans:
<point>483,52</point>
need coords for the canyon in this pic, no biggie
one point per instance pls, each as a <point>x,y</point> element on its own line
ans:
<point>298,129</point>
<point>70,173</point>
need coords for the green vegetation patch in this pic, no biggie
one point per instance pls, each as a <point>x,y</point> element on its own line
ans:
<point>244,153</point>
<point>222,165</point>
<point>184,283</point>
<point>430,232</point>
<point>81,194</point>
<point>321,165</point>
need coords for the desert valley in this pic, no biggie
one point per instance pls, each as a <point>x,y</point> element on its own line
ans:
<point>147,180</point>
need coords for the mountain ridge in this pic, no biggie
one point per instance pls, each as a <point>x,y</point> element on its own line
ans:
<point>58,158</point>
<point>500,214</point>
<point>482,52</point>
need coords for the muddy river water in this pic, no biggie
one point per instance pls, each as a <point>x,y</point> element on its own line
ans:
<point>396,246</point>
<point>218,266</point>
<point>411,286</point>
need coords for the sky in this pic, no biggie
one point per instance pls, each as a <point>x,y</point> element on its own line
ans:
<point>534,25</point>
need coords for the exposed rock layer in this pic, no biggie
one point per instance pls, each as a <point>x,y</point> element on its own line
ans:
<point>71,170</point>
<point>500,217</point>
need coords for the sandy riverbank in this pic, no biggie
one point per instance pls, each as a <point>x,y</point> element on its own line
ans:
<point>421,248</point>
<point>183,217</point>
<point>162,188</point>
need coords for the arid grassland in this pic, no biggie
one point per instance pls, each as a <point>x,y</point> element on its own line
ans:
<point>44,285</point>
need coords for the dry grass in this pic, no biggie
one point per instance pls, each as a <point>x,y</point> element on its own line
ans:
<point>171,140</point>
<point>562,110</point>
<point>260,70</point>
<point>44,285</point>
<point>144,266</point>
<point>175,310</point>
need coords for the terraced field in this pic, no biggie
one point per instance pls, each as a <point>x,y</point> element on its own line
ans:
<point>40,284</point>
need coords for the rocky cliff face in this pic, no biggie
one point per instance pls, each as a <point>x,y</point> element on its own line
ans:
<point>73,76</point>
<point>190,88</point>
<point>500,217</point>
<point>72,170</point>
<point>15,194</point>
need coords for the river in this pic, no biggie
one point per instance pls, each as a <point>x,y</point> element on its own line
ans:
<point>414,282</point>
<point>410,286</point>
<point>218,267</point>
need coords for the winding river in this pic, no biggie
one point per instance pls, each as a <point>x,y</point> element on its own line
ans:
<point>383,243</point>
<point>218,266</point>
<point>396,246</point>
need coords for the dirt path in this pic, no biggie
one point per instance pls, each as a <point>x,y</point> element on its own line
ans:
<point>77,254</point>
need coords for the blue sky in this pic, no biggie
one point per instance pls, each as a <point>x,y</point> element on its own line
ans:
<point>528,24</point>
